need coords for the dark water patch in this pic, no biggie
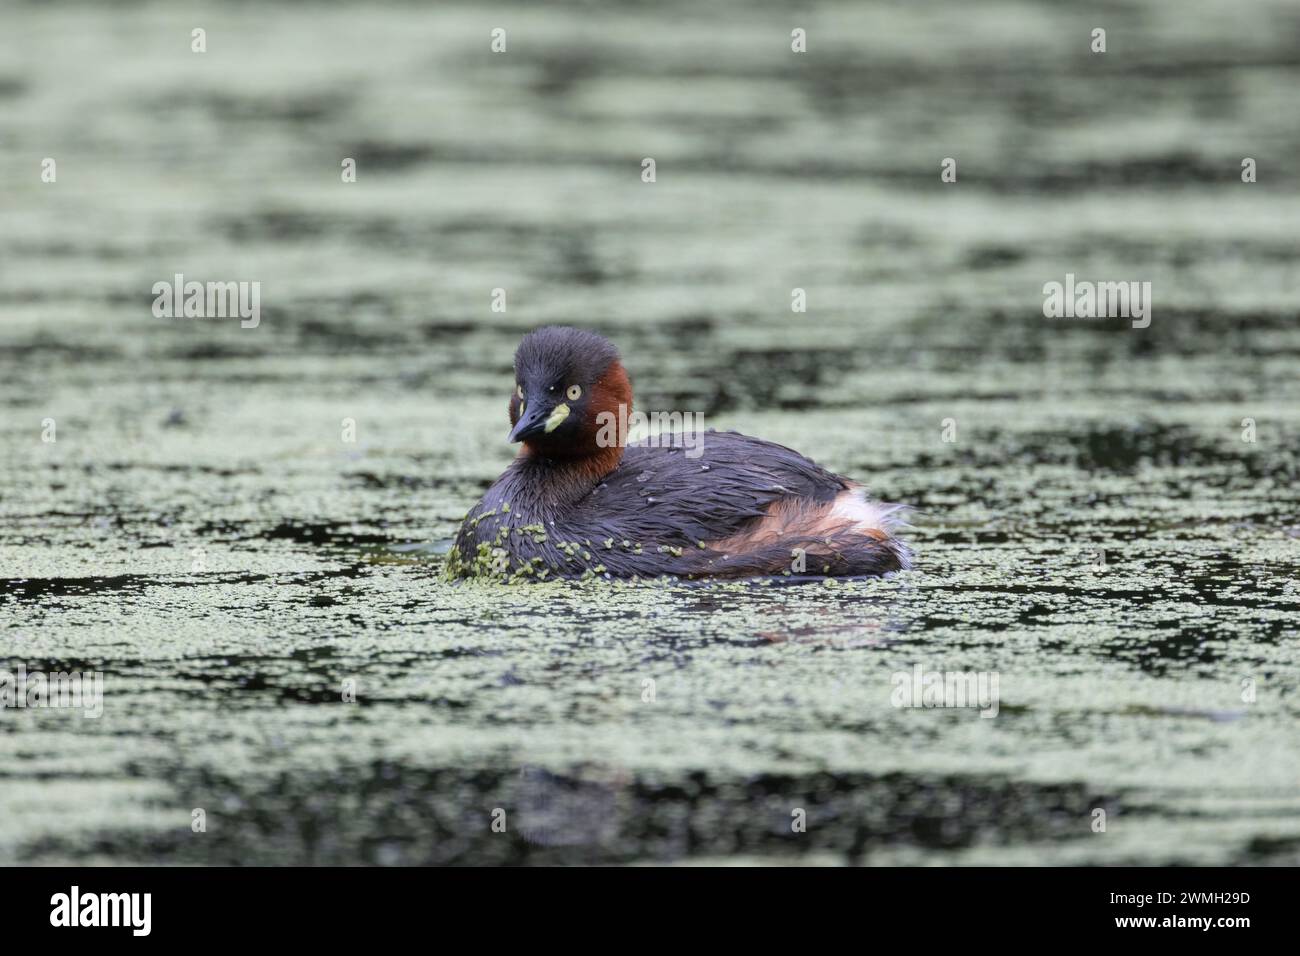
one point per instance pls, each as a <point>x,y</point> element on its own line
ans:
<point>836,92</point>
<point>558,72</point>
<point>763,378</point>
<point>216,471</point>
<point>1181,252</point>
<point>890,236</point>
<point>1174,169</point>
<point>577,262</point>
<point>384,813</point>
<point>1011,177</point>
<point>44,664</point>
<point>1117,449</point>
<point>686,330</point>
<point>1028,336</point>
<point>376,482</point>
<point>496,228</point>
<point>1214,323</point>
<point>38,589</point>
<point>1203,67</point>
<point>1283,851</point>
<point>45,347</point>
<point>642,344</point>
<point>994,257</point>
<point>384,155</point>
<point>1166,647</point>
<point>446,331</point>
<point>320,106</point>
<point>276,225</point>
<point>1111,448</point>
<point>1177,333</point>
<point>1004,178</point>
<point>214,351</point>
<point>334,533</point>
<point>707,398</point>
<point>335,336</point>
<point>50,250</point>
<point>98,519</point>
<point>1114,588</point>
<point>1222,716</point>
<point>411,235</point>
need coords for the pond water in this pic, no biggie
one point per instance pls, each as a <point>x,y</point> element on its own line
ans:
<point>1106,516</point>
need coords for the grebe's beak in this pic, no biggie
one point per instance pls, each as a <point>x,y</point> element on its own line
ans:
<point>533,422</point>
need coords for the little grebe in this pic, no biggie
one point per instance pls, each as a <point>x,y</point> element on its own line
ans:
<point>580,501</point>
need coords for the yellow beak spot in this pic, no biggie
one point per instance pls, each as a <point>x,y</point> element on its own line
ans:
<point>558,415</point>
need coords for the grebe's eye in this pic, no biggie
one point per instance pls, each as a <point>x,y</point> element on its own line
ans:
<point>574,392</point>
<point>519,390</point>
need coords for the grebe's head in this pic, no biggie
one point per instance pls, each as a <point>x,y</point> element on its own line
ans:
<point>569,386</point>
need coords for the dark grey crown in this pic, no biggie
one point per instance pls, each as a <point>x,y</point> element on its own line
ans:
<point>560,355</point>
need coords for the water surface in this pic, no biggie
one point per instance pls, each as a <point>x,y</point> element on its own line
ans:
<point>1098,534</point>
